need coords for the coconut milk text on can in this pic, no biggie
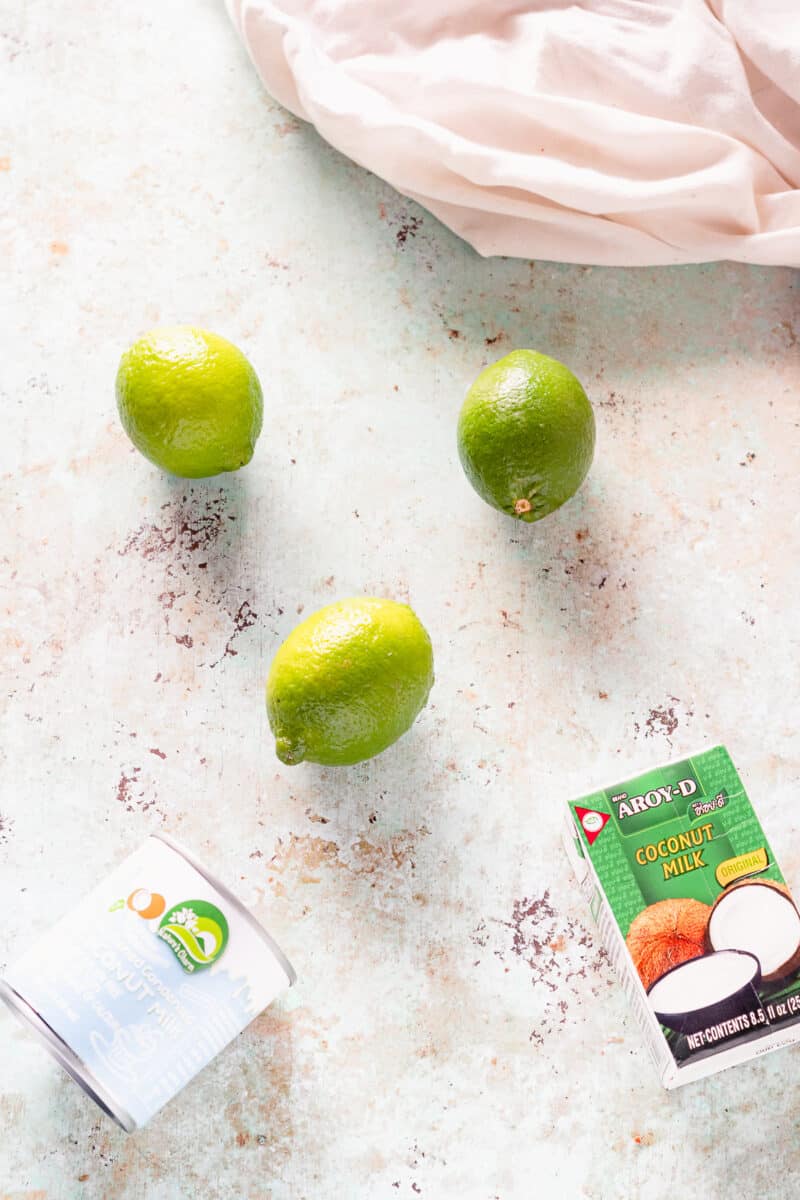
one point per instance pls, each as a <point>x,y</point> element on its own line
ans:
<point>136,989</point>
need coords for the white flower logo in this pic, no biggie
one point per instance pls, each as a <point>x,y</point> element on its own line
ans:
<point>186,917</point>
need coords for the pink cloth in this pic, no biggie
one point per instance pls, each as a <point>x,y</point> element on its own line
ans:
<point>613,131</point>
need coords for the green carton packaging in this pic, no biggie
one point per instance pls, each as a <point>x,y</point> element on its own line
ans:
<point>694,913</point>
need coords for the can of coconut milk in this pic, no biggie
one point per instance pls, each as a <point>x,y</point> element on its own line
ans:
<point>136,989</point>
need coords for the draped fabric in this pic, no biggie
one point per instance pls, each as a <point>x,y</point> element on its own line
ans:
<point>611,131</point>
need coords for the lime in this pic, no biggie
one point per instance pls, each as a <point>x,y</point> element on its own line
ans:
<point>348,681</point>
<point>526,435</point>
<point>190,401</point>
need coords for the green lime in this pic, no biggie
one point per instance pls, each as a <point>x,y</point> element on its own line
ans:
<point>348,681</point>
<point>190,401</point>
<point>526,435</point>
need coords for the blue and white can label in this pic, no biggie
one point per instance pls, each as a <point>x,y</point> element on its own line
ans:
<point>146,980</point>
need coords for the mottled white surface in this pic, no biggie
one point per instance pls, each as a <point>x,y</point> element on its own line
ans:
<point>455,1031</point>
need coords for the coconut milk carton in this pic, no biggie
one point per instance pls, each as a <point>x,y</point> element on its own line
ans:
<point>694,913</point>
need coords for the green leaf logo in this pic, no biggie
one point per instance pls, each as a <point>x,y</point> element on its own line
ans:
<point>196,933</point>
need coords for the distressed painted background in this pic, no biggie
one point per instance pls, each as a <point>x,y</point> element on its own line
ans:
<point>456,1031</point>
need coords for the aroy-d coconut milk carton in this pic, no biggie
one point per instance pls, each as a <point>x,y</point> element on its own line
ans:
<point>694,913</point>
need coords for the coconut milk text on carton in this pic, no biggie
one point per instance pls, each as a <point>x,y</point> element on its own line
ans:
<point>694,913</point>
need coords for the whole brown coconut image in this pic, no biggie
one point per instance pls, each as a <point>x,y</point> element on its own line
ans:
<point>666,934</point>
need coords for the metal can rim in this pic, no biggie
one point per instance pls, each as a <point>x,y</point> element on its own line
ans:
<point>254,923</point>
<point>66,1057</point>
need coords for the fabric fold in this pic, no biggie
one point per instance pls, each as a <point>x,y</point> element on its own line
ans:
<point>618,132</point>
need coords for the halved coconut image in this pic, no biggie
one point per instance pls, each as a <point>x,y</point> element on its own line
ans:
<point>759,916</point>
<point>146,904</point>
<point>705,991</point>
<point>666,934</point>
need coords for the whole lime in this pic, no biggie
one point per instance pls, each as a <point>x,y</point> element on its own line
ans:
<point>189,401</point>
<point>526,435</point>
<point>348,681</point>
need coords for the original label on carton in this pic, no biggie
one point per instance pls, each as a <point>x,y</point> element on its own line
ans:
<point>694,911</point>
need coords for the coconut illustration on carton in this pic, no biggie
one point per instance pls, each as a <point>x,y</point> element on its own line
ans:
<point>666,934</point>
<point>707,991</point>
<point>759,916</point>
<point>702,964</point>
<point>707,938</point>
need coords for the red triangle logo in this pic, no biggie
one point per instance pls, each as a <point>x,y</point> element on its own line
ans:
<point>592,822</point>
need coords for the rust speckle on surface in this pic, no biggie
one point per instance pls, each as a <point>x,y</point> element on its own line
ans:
<point>5,163</point>
<point>304,852</point>
<point>59,248</point>
<point>186,526</point>
<point>558,950</point>
<point>158,753</point>
<point>381,863</point>
<point>244,618</point>
<point>480,935</point>
<point>644,1139</point>
<point>189,547</point>
<point>131,793</point>
<point>399,850</point>
<point>789,332</point>
<point>407,230</point>
<point>662,720</point>
<point>125,786</point>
